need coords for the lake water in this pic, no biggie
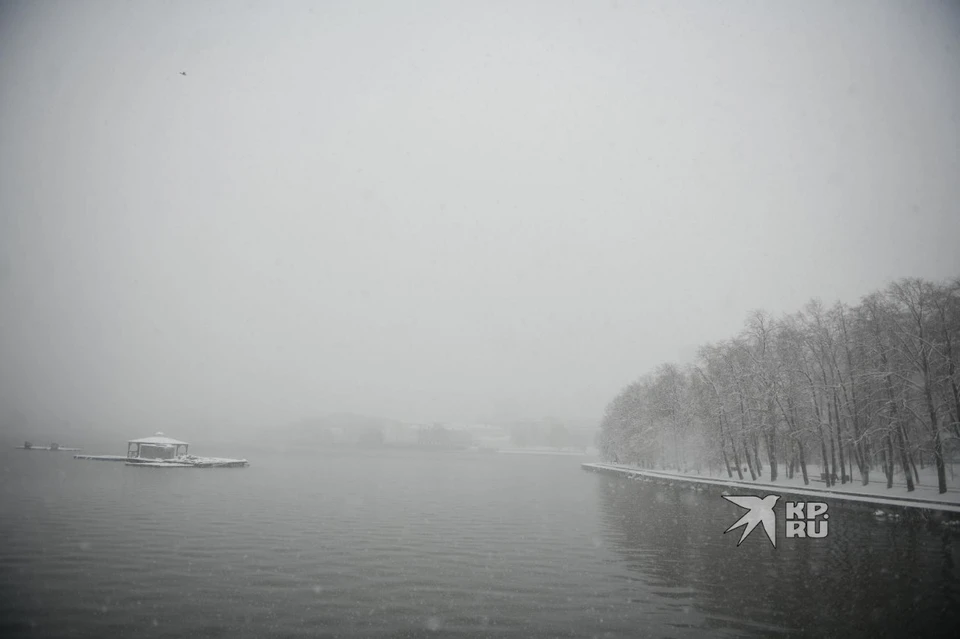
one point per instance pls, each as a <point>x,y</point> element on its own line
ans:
<point>410,543</point>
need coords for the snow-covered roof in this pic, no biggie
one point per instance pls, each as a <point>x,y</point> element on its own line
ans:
<point>159,439</point>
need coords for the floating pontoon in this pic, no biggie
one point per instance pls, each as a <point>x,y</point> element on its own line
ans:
<point>160,451</point>
<point>54,446</point>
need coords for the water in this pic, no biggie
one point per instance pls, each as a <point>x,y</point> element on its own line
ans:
<point>408,543</point>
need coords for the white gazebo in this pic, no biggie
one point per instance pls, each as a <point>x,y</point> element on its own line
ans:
<point>157,447</point>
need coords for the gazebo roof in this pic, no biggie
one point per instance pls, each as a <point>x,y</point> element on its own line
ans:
<point>159,439</point>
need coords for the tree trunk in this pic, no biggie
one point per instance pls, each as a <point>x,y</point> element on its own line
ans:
<point>746,452</point>
<point>937,444</point>
<point>888,461</point>
<point>897,424</point>
<point>860,446</point>
<point>843,465</point>
<point>726,461</point>
<point>791,418</point>
<point>825,463</point>
<point>769,444</point>
<point>736,457</point>
<point>756,454</point>
<point>833,454</point>
<point>772,440</point>
<point>902,445</point>
<point>723,445</point>
<point>934,426</point>
<point>744,438</point>
<point>771,456</point>
<point>803,464</point>
<point>952,374</point>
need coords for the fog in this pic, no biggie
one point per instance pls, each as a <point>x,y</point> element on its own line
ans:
<point>445,211</point>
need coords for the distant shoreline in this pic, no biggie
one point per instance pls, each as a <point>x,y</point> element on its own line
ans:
<point>538,451</point>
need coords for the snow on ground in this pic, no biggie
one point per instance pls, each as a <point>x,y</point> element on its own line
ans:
<point>193,459</point>
<point>183,460</point>
<point>117,458</point>
<point>925,495</point>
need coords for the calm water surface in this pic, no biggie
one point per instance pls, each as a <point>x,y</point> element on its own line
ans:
<point>405,543</point>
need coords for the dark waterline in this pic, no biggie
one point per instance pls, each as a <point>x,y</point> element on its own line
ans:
<point>407,543</point>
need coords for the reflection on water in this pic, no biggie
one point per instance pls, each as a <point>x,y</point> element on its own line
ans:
<point>867,578</point>
<point>408,544</point>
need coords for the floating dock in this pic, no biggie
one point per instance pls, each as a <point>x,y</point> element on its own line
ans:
<point>160,451</point>
<point>177,462</point>
<point>111,458</point>
<point>152,464</point>
<point>189,461</point>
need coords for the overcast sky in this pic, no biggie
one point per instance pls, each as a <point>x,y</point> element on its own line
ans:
<point>445,210</point>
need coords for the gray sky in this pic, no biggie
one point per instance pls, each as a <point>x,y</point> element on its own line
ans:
<point>448,211</point>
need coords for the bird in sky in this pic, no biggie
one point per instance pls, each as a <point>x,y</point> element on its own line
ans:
<point>761,512</point>
<point>183,73</point>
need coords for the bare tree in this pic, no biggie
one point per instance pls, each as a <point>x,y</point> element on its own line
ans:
<point>873,384</point>
<point>878,315</point>
<point>911,334</point>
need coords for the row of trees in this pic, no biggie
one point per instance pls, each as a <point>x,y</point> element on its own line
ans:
<point>872,387</point>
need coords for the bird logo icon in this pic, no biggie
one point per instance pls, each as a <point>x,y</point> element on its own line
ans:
<point>760,512</point>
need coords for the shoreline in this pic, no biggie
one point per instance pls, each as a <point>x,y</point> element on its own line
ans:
<point>892,501</point>
<point>535,451</point>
